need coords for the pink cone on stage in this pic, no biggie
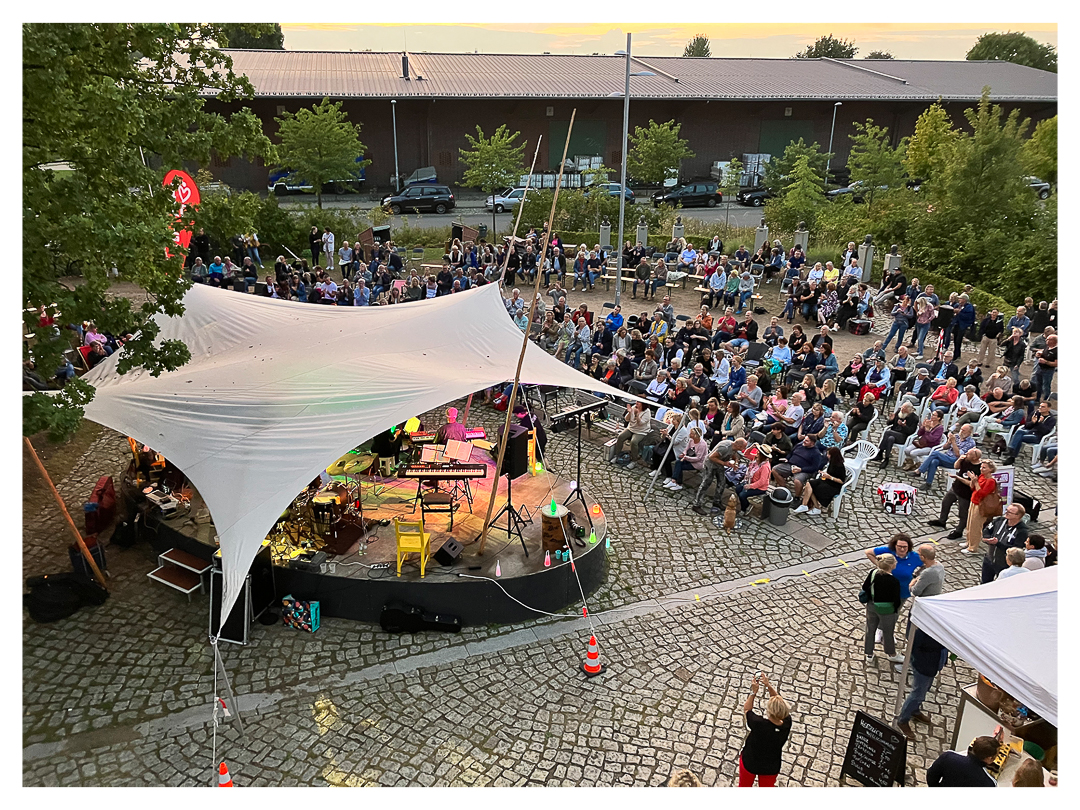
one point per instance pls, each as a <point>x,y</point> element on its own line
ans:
<point>498,569</point>
<point>224,780</point>
<point>547,559</point>
<point>592,666</point>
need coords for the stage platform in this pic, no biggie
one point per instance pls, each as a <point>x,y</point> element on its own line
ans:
<point>360,576</point>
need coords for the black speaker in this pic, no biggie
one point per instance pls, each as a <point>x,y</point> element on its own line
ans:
<point>260,288</point>
<point>516,460</point>
<point>450,551</point>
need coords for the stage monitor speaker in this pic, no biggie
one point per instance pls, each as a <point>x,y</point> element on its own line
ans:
<point>516,460</point>
<point>449,553</point>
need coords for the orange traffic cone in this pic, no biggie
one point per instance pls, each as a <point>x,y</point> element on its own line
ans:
<point>224,780</point>
<point>592,666</point>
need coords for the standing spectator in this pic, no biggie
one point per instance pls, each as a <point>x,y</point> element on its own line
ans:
<point>961,322</point>
<point>959,493</point>
<point>902,313</point>
<point>315,242</point>
<point>760,755</point>
<point>904,557</point>
<point>1013,352</point>
<point>724,456</point>
<point>990,330</point>
<point>983,487</point>
<point>924,314</point>
<point>328,244</point>
<point>1001,534</point>
<point>929,579</point>
<point>882,607</point>
<point>1020,321</point>
<point>928,658</point>
<point>1046,361</point>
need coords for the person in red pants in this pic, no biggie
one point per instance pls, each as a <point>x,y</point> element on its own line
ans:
<point>760,756</point>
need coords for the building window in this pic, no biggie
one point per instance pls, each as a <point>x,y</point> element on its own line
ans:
<point>445,159</point>
<point>616,157</point>
<point>280,109</point>
<point>220,163</point>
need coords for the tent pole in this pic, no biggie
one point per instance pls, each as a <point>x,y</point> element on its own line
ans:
<point>524,337</point>
<point>71,523</point>
<point>902,688</point>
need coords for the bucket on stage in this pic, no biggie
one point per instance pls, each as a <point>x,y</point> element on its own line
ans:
<point>897,499</point>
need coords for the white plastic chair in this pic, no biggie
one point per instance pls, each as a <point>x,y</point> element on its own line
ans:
<point>849,480</point>
<point>1037,448</point>
<point>950,415</point>
<point>864,451</point>
<point>909,443</point>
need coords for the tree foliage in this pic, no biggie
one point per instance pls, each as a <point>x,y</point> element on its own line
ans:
<point>879,55</point>
<point>1016,47</point>
<point>928,149</point>
<point>258,36</point>
<point>779,169</point>
<point>320,145</point>
<point>222,215</point>
<point>654,150</point>
<point>698,46</point>
<point>118,105</point>
<point>801,199</point>
<point>874,162</point>
<point>1040,152</point>
<point>829,46</point>
<point>493,163</point>
<point>980,217</point>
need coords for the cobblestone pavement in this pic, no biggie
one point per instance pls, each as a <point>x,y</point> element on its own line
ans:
<point>121,694</point>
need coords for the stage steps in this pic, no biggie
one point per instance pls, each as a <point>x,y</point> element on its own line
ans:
<point>180,571</point>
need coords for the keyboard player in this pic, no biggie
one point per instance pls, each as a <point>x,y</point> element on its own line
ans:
<point>452,430</point>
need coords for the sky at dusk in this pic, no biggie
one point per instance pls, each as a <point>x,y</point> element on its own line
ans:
<point>906,40</point>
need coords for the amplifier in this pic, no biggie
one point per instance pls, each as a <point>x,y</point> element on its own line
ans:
<point>449,553</point>
<point>312,561</point>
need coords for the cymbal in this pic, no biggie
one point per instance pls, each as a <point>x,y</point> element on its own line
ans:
<point>358,464</point>
<point>338,467</point>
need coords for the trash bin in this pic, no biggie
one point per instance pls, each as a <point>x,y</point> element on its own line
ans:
<point>779,502</point>
<point>481,231</point>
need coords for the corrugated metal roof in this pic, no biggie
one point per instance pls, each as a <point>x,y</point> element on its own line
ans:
<point>456,75</point>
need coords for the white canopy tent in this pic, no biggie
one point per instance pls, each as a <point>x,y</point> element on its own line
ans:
<point>1019,654</point>
<point>276,390</point>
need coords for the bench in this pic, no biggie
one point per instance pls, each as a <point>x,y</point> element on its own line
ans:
<point>608,279</point>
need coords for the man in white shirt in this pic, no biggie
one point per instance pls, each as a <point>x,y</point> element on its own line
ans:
<point>969,408</point>
<point>329,291</point>
<point>717,282</point>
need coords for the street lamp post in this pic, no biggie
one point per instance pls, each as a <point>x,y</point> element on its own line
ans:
<point>828,160</point>
<point>622,183</point>
<point>397,176</point>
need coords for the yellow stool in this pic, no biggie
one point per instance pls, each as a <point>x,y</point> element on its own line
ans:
<point>411,538</point>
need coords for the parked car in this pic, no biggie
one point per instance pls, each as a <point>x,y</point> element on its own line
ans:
<point>753,196</point>
<point>613,190</point>
<point>280,184</point>
<point>1039,187</point>
<point>507,198</point>
<point>857,191</point>
<point>439,199</point>
<point>697,192</point>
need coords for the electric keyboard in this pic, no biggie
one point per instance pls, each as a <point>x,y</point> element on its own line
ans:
<point>428,438</point>
<point>444,472</point>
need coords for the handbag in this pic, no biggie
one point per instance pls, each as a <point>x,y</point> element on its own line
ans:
<point>990,505</point>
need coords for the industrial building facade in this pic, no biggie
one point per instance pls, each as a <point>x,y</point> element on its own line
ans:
<point>726,107</point>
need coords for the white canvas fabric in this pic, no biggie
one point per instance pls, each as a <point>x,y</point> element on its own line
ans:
<point>1007,630</point>
<point>277,390</point>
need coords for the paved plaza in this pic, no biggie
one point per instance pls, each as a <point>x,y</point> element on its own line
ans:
<point>121,694</point>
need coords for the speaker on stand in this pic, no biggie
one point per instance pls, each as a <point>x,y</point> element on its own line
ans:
<point>516,460</point>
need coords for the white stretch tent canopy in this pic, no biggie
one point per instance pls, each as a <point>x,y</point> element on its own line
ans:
<point>277,390</point>
<point>1019,655</point>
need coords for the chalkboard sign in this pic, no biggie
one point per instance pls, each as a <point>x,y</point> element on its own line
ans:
<point>876,753</point>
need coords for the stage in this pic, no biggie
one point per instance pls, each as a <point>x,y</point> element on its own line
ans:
<point>359,575</point>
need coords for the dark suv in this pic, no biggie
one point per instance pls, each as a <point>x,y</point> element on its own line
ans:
<point>698,192</point>
<point>439,199</point>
